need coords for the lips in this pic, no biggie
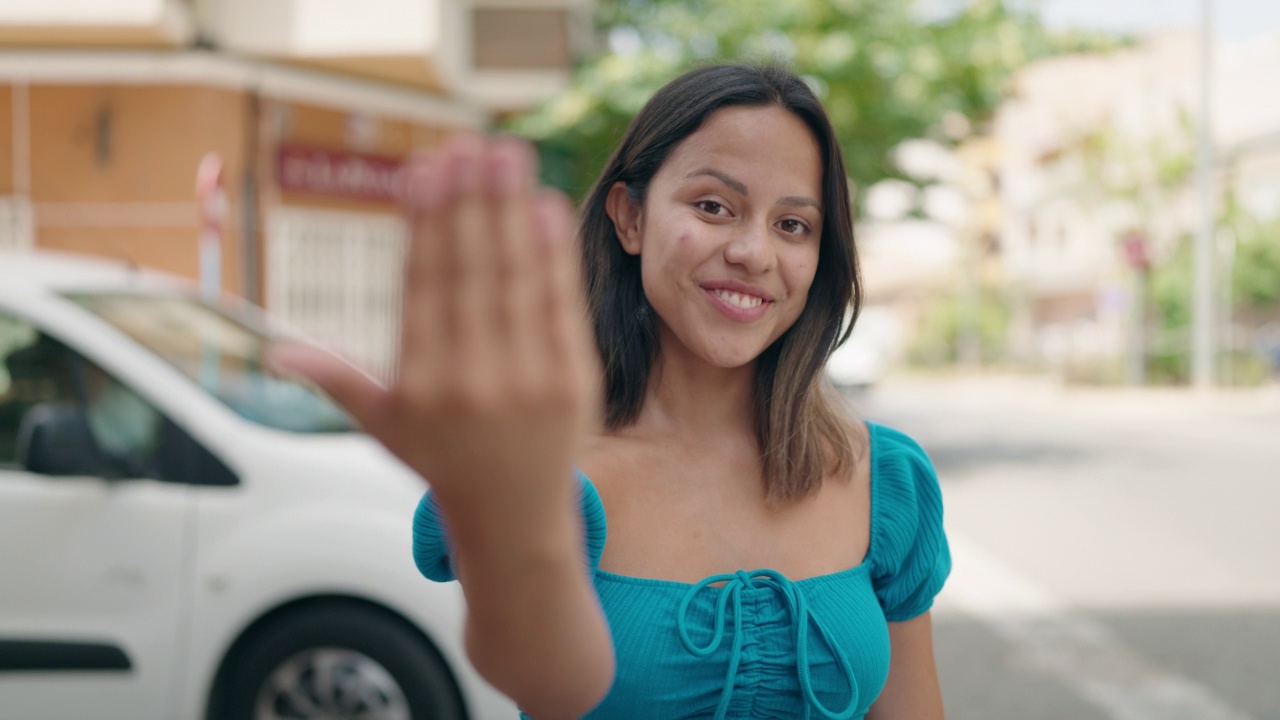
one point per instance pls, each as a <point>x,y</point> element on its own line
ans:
<point>738,288</point>
<point>738,301</point>
<point>746,302</point>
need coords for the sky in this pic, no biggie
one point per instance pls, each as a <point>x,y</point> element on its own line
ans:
<point>1233,20</point>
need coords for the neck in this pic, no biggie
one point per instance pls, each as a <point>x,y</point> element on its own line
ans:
<point>690,400</point>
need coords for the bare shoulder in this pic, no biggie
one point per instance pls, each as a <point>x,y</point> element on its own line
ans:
<point>854,485</point>
<point>607,459</point>
<point>858,440</point>
<point>620,464</point>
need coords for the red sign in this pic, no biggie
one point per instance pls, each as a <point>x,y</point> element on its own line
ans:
<point>211,194</point>
<point>1136,251</point>
<point>344,174</point>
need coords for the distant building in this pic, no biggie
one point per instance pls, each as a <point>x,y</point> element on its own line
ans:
<point>107,107</point>
<point>935,237</point>
<point>1095,147</point>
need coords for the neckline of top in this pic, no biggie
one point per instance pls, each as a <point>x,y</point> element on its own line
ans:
<point>873,430</point>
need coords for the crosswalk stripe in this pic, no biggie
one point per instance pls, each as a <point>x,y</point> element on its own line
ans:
<point>1078,651</point>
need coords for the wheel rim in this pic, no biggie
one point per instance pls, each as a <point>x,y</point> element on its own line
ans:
<point>331,684</point>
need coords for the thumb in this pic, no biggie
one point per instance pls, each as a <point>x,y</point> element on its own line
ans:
<point>358,393</point>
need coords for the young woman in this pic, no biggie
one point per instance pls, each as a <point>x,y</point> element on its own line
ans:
<point>713,537</point>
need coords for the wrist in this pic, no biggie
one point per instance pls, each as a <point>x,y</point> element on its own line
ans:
<point>491,531</point>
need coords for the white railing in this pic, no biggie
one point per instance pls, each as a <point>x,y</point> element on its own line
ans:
<point>17,224</point>
<point>337,278</point>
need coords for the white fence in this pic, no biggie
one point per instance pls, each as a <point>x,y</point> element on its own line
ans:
<point>337,277</point>
<point>17,225</point>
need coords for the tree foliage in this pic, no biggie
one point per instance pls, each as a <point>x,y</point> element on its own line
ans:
<point>885,71</point>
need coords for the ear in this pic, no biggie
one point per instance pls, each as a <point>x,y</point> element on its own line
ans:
<point>627,217</point>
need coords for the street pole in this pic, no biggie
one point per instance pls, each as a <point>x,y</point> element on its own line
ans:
<point>1202,316</point>
<point>1138,330</point>
<point>1227,253</point>
<point>211,196</point>
<point>969,345</point>
<point>1137,256</point>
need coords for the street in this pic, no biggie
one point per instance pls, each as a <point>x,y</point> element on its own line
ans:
<point>1117,555</point>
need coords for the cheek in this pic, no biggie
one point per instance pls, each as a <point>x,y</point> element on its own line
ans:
<point>670,248</point>
<point>802,269</point>
<point>682,231</point>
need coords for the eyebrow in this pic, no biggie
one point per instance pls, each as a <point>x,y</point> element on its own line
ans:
<point>800,201</point>
<point>737,185</point>
<point>741,188</point>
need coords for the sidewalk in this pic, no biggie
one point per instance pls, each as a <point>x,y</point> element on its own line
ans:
<point>1031,392</point>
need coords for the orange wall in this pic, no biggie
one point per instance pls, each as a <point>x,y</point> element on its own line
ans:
<point>113,166</point>
<point>6,140</point>
<point>164,249</point>
<point>113,170</point>
<point>123,143</point>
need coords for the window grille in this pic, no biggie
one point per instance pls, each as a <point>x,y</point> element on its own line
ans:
<point>17,224</point>
<point>337,277</point>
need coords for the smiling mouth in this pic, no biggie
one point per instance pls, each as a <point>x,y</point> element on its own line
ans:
<point>746,302</point>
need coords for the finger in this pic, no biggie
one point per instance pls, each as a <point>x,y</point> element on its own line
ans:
<point>511,187</point>
<point>424,302</point>
<point>578,360</point>
<point>360,395</point>
<point>472,239</point>
<point>561,289</point>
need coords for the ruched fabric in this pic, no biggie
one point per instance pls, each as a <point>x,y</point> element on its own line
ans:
<point>755,644</point>
<point>800,618</point>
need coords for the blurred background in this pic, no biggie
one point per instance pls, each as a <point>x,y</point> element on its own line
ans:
<point>1068,217</point>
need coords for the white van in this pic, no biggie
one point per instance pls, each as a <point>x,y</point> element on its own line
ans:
<point>185,536</point>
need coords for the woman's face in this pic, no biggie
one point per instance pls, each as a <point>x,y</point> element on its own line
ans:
<point>728,236</point>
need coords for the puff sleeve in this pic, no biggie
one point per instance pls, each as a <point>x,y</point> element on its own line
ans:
<point>911,559</point>
<point>432,554</point>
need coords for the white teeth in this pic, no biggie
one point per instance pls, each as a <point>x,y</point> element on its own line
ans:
<point>746,302</point>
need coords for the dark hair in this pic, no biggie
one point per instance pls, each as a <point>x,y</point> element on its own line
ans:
<point>803,433</point>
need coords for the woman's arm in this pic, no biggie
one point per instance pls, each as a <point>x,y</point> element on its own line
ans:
<point>534,628</point>
<point>497,387</point>
<point>911,692</point>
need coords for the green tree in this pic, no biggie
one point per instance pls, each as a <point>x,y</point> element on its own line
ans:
<point>885,73</point>
<point>1255,271</point>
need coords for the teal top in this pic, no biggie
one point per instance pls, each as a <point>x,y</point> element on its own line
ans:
<point>754,644</point>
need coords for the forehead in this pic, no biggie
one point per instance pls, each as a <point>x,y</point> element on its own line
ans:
<point>765,147</point>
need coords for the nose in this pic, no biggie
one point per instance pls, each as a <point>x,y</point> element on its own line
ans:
<point>751,248</point>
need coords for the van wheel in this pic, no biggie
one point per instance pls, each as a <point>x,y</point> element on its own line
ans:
<point>334,663</point>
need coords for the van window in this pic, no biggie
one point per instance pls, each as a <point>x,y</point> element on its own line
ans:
<point>223,355</point>
<point>36,369</point>
<point>24,381</point>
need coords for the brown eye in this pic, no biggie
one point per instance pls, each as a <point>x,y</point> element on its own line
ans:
<point>710,206</point>
<point>793,226</point>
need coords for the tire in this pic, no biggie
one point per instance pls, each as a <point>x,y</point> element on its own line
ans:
<point>336,661</point>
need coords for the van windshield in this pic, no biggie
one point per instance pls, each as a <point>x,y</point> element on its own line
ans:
<point>223,355</point>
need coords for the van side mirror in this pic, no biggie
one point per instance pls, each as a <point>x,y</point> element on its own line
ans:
<point>54,439</point>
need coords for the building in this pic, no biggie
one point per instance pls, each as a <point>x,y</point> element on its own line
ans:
<point>107,107</point>
<point>1095,148</point>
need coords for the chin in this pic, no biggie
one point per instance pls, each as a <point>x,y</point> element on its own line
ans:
<point>729,359</point>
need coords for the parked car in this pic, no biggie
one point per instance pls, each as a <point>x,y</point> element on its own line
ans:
<point>865,358</point>
<point>185,535</point>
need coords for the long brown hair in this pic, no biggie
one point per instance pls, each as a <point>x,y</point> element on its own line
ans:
<point>802,431</point>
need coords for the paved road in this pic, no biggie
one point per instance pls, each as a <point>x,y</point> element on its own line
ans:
<point>1117,554</point>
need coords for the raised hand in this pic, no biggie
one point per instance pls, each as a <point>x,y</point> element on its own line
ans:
<point>498,378</point>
